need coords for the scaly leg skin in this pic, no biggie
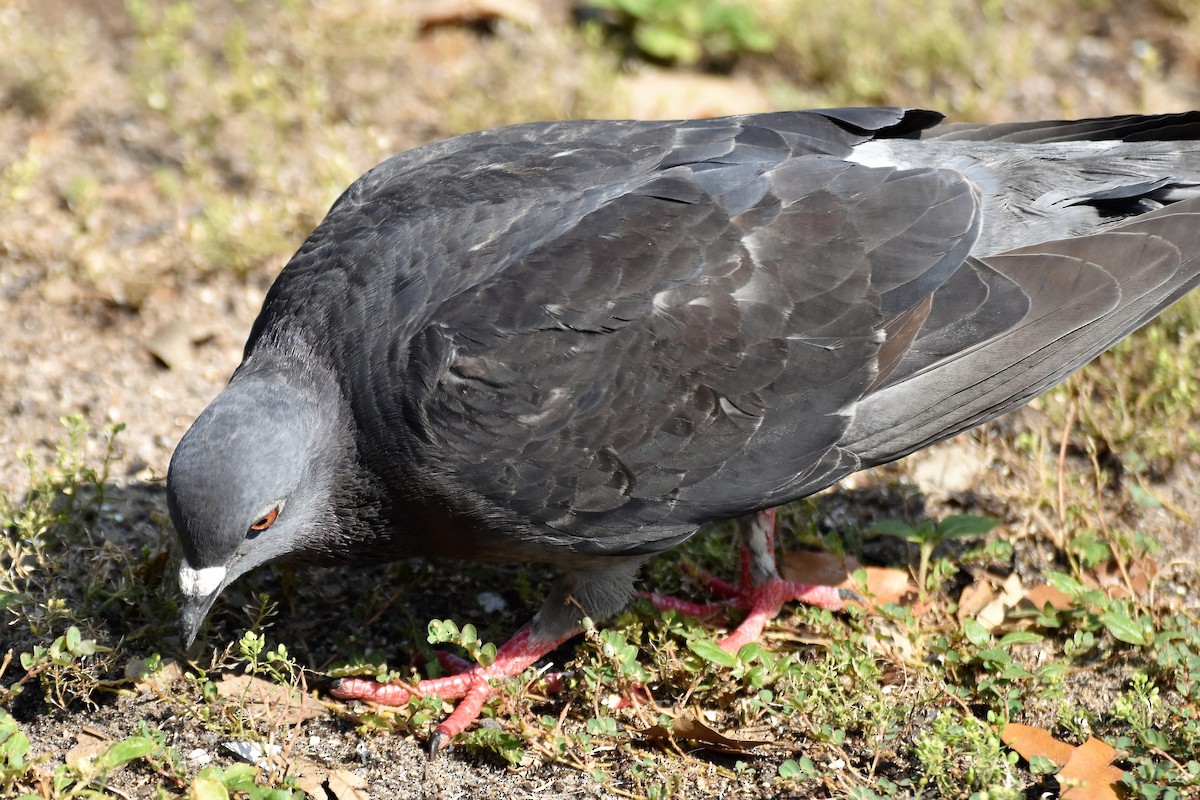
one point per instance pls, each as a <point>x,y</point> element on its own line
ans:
<point>473,685</point>
<point>761,590</point>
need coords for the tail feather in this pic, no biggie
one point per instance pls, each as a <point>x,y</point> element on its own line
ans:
<point>1130,128</point>
<point>1084,294</point>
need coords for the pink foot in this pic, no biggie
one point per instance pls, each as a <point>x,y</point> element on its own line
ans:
<point>765,601</point>
<point>761,591</point>
<point>472,685</point>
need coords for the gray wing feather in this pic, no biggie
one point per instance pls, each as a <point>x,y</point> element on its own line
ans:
<point>1082,295</point>
<point>666,364</point>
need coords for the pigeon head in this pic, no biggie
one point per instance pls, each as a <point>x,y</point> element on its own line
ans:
<point>252,481</point>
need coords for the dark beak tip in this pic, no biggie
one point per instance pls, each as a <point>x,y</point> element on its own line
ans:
<point>191,618</point>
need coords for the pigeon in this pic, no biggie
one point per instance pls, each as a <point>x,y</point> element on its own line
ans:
<point>576,343</point>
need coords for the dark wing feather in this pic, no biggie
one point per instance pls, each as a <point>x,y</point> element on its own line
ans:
<point>1081,296</point>
<point>692,348</point>
<point>1128,128</point>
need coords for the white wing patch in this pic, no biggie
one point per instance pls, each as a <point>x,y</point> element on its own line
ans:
<point>876,154</point>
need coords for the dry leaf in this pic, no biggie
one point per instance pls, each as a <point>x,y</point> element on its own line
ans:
<point>987,604</point>
<point>686,726</point>
<point>1141,573</point>
<point>1089,773</point>
<point>884,585</point>
<point>1039,596</point>
<point>813,566</point>
<point>345,785</point>
<point>322,783</point>
<point>268,700</point>
<point>311,778</point>
<point>89,745</point>
<point>974,598</point>
<point>1086,772</point>
<point>1031,741</point>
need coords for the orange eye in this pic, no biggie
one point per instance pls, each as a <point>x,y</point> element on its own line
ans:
<point>265,521</point>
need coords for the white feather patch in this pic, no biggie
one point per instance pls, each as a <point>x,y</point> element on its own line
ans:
<point>875,154</point>
<point>200,582</point>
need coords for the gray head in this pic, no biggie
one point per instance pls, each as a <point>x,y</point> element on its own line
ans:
<point>252,481</point>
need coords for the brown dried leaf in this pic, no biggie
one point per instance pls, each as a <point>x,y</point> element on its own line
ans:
<point>345,785</point>
<point>1089,774</point>
<point>321,783</point>
<point>974,598</point>
<point>1086,772</point>
<point>89,745</point>
<point>687,726</point>
<point>884,585</point>
<point>1031,741</point>
<point>268,700</point>
<point>1039,596</point>
<point>988,602</point>
<point>311,777</point>
<point>1141,573</point>
<point>814,566</point>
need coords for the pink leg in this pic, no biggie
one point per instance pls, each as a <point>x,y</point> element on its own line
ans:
<point>761,591</point>
<point>452,664</point>
<point>473,685</point>
<point>698,610</point>
<point>765,601</point>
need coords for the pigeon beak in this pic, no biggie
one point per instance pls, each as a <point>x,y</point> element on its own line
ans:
<point>200,589</point>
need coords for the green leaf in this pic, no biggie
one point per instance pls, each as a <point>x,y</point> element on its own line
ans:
<point>1091,548</point>
<point>1143,498</point>
<point>122,752</point>
<point>666,43</point>
<point>797,770</point>
<point>963,525</point>
<point>236,777</point>
<point>1040,765</point>
<point>995,655</point>
<point>750,652</point>
<point>1019,637</point>
<point>709,651</point>
<point>207,789</point>
<point>1051,672</point>
<point>1064,583</point>
<point>976,634</point>
<point>1123,627</point>
<point>13,743</point>
<point>11,598</point>
<point>893,527</point>
<point>73,638</point>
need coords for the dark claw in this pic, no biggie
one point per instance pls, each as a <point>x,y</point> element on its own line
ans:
<point>850,595</point>
<point>438,742</point>
<point>322,683</point>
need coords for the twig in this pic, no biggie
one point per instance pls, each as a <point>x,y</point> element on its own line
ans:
<point>1062,466</point>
